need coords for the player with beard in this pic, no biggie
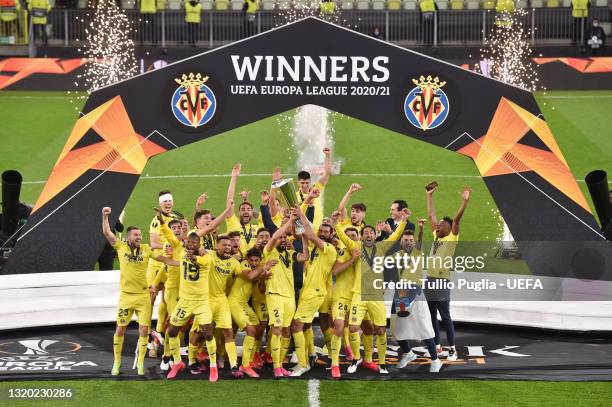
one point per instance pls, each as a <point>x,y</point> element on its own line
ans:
<point>241,223</point>
<point>374,304</point>
<point>280,292</point>
<point>243,315</point>
<point>316,274</point>
<point>304,187</point>
<point>235,238</point>
<point>358,210</point>
<point>133,258</point>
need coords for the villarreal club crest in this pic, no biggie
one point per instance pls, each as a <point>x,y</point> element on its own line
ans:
<point>426,106</point>
<point>193,103</point>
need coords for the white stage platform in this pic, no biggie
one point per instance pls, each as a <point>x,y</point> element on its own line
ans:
<point>51,299</point>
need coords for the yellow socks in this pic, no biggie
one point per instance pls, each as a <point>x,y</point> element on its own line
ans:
<point>211,346</point>
<point>118,348</point>
<point>269,341</point>
<point>309,336</point>
<point>247,350</point>
<point>175,349</point>
<point>285,342</point>
<point>230,348</point>
<point>166,344</point>
<point>336,343</point>
<point>191,353</point>
<point>355,341</point>
<point>162,313</point>
<point>368,346</point>
<point>327,335</point>
<point>142,349</point>
<point>275,347</point>
<point>381,347</point>
<point>300,348</point>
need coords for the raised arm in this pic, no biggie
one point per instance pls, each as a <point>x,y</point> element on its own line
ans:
<point>465,198</point>
<point>217,221</point>
<point>327,167</point>
<point>308,231</point>
<point>339,267</point>
<point>347,241</point>
<point>276,236</point>
<point>303,255</point>
<point>419,243</point>
<point>346,198</point>
<point>201,201</point>
<point>165,230</point>
<point>106,229</point>
<point>274,208</point>
<point>431,209</point>
<point>231,189</point>
<point>399,230</point>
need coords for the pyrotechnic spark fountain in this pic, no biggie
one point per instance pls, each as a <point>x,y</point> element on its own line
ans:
<point>108,49</point>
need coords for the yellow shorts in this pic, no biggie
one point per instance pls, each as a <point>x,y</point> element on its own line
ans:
<point>376,310</point>
<point>261,310</point>
<point>325,308</point>
<point>221,314</point>
<point>200,309</point>
<point>340,307</point>
<point>281,310</point>
<point>130,303</point>
<point>171,297</point>
<point>307,308</point>
<point>243,314</point>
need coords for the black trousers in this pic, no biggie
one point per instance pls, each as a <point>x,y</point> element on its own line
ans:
<point>40,30</point>
<point>192,33</point>
<point>579,25</point>
<point>106,260</point>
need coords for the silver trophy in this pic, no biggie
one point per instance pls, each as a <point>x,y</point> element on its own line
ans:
<point>287,194</point>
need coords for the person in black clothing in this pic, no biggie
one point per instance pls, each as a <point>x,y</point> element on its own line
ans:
<point>107,257</point>
<point>386,228</point>
<point>596,38</point>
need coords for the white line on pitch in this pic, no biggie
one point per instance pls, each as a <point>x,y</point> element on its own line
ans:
<point>313,393</point>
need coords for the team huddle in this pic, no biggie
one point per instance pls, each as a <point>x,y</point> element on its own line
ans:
<point>269,275</point>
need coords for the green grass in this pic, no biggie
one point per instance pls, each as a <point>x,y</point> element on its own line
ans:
<point>295,393</point>
<point>38,126</point>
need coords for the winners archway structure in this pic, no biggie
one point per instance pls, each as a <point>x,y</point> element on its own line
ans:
<point>312,61</point>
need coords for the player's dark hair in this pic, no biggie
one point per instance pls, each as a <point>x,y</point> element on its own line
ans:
<point>223,237</point>
<point>233,233</point>
<point>253,252</point>
<point>173,221</point>
<point>303,175</point>
<point>367,227</point>
<point>245,203</point>
<point>360,206</point>
<point>408,233</point>
<point>401,204</point>
<point>164,192</point>
<point>194,234</point>
<point>130,228</point>
<point>351,230</point>
<point>198,214</point>
<point>260,230</point>
<point>448,219</point>
<point>327,225</point>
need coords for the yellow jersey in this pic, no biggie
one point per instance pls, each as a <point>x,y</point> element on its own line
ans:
<point>221,271</point>
<point>208,241</point>
<point>155,228</point>
<point>172,272</point>
<point>345,280</point>
<point>242,288</point>
<point>317,203</point>
<point>281,278</point>
<point>440,257</point>
<point>194,277</point>
<point>346,223</point>
<point>318,270</point>
<point>133,265</point>
<point>248,232</point>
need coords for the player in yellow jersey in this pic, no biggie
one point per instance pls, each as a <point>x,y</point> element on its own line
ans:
<point>374,307</point>
<point>243,315</point>
<point>314,290</point>
<point>241,223</point>
<point>358,210</point>
<point>344,271</point>
<point>304,186</point>
<point>236,238</point>
<point>280,292</point>
<point>133,258</point>
<point>203,218</point>
<point>166,204</point>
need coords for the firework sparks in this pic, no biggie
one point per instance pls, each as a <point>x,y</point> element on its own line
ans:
<point>506,54</point>
<point>108,49</point>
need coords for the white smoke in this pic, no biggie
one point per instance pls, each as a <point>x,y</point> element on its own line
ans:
<point>311,132</point>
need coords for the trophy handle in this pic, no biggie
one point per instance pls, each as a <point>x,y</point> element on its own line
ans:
<point>299,228</point>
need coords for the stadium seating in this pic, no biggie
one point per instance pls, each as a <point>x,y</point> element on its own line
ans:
<point>284,4</point>
<point>521,4</point>
<point>128,4</point>
<point>410,5</point>
<point>537,3</point>
<point>82,4</point>
<point>175,4</point>
<point>347,5</point>
<point>237,4</point>
<point>378,4</point>
<point>161,4</point>
<point>600,3</point>
<point>207,4</point>
<point>456,4</point>
<point>472,5</point>
<point>552,3</point>
<point>363,4</point>
<point>442,4</point>
<point>222,4</point>
<point>394,5</point>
